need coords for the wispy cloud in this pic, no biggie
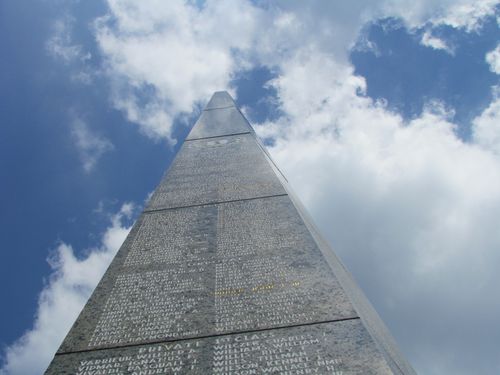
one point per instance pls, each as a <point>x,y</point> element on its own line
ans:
<point>89,145</point>
<point>434,42</point>
<point>68,288</point>
<point>60,45</point>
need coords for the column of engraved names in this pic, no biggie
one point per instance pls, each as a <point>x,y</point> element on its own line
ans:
<point>259,280</point>
<point>173,236</point>
<point>150,305</point>
<point>162,281</point>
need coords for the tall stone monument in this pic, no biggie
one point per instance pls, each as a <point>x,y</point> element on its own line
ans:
<point>224,273</point>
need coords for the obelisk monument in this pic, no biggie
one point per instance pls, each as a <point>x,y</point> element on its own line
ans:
<point>224,273</point>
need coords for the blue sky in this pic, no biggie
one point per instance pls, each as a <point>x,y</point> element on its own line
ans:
<point>384,117</point>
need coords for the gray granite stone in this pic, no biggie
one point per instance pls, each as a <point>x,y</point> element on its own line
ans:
<point>208,270</point>
<point>219,122</point>
<point>216,170</point>
<point>220,99</point>
<point>333,348</point>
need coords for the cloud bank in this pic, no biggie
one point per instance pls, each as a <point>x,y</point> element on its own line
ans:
<point>164,60</point>
<point>410,208</point>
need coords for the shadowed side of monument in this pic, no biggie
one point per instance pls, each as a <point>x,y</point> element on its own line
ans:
<point>224,273</point>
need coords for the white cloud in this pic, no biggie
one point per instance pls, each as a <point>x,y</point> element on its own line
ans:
<point>493,59</point>
<point>486,127</point>
<point>90,146</point>
<point>431,41</point>
<point>68,288</point>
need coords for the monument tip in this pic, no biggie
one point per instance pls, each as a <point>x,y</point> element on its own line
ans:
<point>220,99</point>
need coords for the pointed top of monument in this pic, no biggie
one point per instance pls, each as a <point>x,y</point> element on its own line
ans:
<point>220,99</point>
<point>221,117</point>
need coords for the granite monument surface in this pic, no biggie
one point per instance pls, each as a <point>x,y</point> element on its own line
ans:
<point>224,273</point>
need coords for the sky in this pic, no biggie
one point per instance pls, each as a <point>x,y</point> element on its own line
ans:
<point>384,116</point>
